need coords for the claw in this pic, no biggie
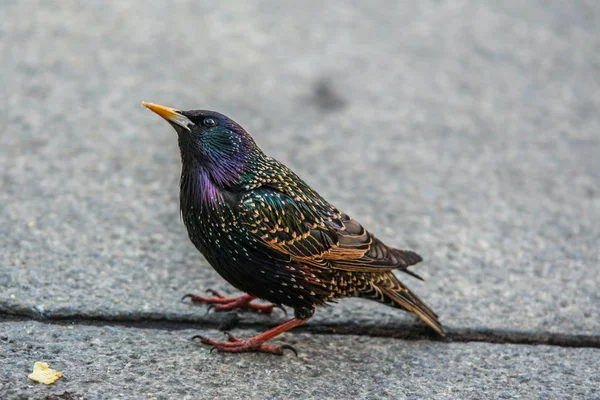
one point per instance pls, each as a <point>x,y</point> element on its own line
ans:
<point>212,349</point>
<point>209,307</point>
<point>281,308</point>
<point>214,293</point>
<point>198,337</point>
<point>230,337</point>
<point>289,347</point>
<point>186,296</point>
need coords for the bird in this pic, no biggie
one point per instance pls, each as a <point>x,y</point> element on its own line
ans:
<point>274,238</point>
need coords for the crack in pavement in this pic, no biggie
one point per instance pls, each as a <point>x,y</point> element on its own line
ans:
<point>228,321</point>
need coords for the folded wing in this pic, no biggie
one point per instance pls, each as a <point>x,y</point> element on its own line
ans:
<point>312,231</point>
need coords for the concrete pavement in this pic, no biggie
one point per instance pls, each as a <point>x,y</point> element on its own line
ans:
<point>114,362</point>
<point>466,131</point>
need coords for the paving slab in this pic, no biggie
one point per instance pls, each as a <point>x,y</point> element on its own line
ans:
<point>465,131</point>
<point>115,362</point>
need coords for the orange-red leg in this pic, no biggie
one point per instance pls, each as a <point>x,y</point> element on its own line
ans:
<point>221,303</point>
<point>256,343</point>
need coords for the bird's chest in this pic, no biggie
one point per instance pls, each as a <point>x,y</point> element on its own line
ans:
<point>220,238</point>
<point>210,228</point>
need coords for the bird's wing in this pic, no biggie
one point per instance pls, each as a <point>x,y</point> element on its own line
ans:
<point>287,225</point>
<point>359,250</point>
<point>312,231</point>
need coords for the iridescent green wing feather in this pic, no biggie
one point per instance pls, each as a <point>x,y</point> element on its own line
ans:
<point>285,214</point>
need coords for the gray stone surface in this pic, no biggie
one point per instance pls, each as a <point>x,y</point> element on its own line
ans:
<point>109,362</point>
<point>467,131</point>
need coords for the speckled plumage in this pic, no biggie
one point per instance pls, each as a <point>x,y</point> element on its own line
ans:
<point>269,234</point>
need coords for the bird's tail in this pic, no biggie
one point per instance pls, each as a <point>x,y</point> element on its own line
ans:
<point>394,293</point>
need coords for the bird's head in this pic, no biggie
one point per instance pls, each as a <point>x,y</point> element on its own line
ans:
<point>211,141</point>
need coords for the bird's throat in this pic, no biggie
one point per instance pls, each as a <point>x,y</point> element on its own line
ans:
<point>197,191</point>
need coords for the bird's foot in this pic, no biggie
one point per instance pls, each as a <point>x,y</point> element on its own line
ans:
<point>235,345</point>
<point>218,302</point>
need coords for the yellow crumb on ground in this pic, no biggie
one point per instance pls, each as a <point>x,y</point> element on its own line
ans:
<point>43,374</point>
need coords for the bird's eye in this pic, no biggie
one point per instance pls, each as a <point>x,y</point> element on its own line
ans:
<point>209,122</point>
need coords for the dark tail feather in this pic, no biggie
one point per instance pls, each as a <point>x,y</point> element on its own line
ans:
<point>398,295</point>
<point>407,258</point>
<point>413,274</point>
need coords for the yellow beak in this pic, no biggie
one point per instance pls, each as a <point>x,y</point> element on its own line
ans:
<point>170,114</point>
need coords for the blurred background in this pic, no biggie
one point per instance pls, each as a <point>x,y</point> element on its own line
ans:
<point>467,131</point>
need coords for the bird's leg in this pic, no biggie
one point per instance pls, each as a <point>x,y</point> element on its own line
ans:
<point>256,343</point>
<point>221,303</point>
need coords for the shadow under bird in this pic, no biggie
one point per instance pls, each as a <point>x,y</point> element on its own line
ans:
<point>265,231</point>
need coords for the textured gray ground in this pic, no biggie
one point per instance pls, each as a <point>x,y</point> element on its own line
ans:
<point>467,131</point>
<point>109,362</point>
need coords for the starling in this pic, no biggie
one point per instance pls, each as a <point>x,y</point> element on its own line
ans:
<point>265,231</point>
